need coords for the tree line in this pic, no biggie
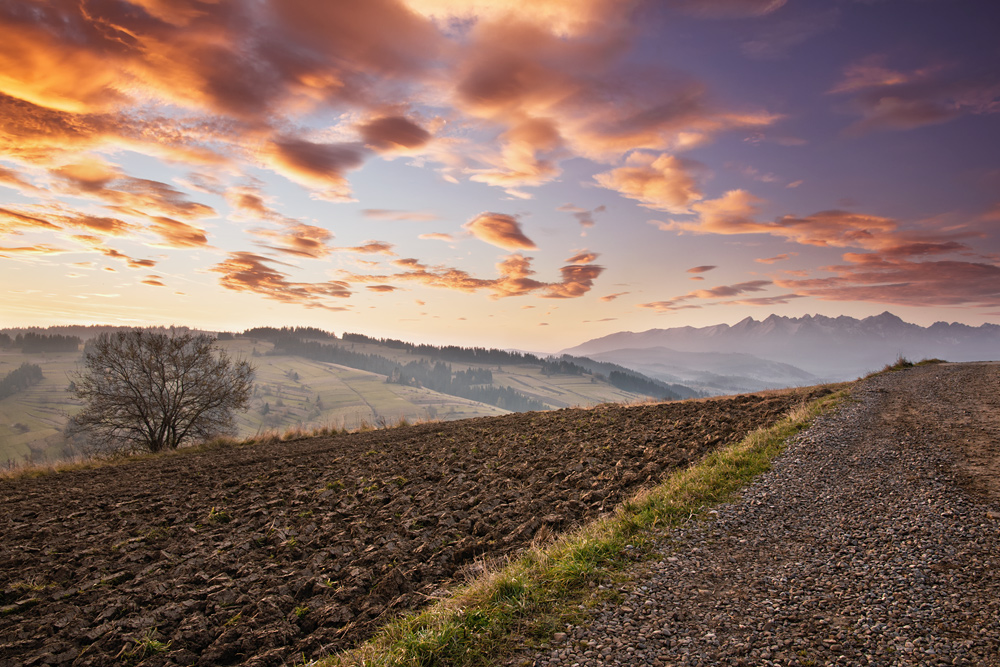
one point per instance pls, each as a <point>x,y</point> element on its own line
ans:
<point>20,379</point>
<point>474,384</point>
<point>34,342</point>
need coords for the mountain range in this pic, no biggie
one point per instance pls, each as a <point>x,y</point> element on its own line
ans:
<point>787,351</point>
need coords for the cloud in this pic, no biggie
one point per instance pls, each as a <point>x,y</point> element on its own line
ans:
<point>734,212</point>
<point>372,248</point>
<point>778,38</point>
<point>106,183</point>
<point>583,257</point>
<point>386,214</point>
<point>501,230</point>
<point>436,236</point>
<point>11,178</point>
<point>565,19</point>
<point>382,288</point>
<point>662,182</point>
<point>390,133</point>
<point>528,156</point>
<point>299,239</point>
<point>584,216</point>
<point>726,9</point>
<point>888,99</point>
<point>903,282</point>
<point>721,291</point>
<point>514,278</point>
<point>702,269</point>
<point>248,272</point>
<point>12,220</point>
<point>155,281</point>
<point>612,297</point>
<point>177,234</point>
<point>777,258</point>
<point>39,249</point>
<point>577,280</point>
<point>317,165</point>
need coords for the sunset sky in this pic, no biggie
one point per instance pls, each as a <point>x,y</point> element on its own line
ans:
<point>497,172</point>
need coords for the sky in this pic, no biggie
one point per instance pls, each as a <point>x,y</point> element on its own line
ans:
<point>497,173</point>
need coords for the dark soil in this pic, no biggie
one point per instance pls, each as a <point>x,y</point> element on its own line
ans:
<point>265,555</point>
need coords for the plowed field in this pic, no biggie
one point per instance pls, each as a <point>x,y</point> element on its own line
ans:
<point>265,555</point>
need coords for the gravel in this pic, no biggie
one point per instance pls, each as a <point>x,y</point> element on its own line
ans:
<point>862,546</point>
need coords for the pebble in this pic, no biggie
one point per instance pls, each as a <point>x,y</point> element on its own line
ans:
<point>859,547</point>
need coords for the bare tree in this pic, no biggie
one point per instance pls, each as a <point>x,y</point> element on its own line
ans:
<point>150,391</point>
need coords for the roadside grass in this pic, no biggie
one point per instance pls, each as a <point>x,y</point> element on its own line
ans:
<point>902,363</point>
<point>533,596</point>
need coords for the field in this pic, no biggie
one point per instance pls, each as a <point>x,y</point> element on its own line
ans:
<point>31,422</point>
<point>291,393</point>
<point>268,554</point>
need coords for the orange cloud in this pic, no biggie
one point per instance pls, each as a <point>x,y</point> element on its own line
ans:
<point>39,249</point>
<point>382,288</point>
<point>661,182</point>
<point>702,269</point>
<point>436,236</point>
<point>612,297</point>
<point>247,272</point>
<point>11,221</point>
<point>177,234</point>
<point>501,230</point>
<point>155,281</point>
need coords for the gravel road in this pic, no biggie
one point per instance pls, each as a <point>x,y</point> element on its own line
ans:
<point>874,540</point>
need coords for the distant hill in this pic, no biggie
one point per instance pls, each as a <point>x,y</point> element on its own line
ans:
<point>828,348</point>
<point>311,378</point>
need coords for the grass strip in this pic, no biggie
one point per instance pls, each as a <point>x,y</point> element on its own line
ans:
<point>536,594</point>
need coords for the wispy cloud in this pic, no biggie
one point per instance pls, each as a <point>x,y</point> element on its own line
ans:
<point>386,214</point>
<point>890,99</point>
<point>256,274</point>
<point>683,301</point>
<point>514,277</point>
